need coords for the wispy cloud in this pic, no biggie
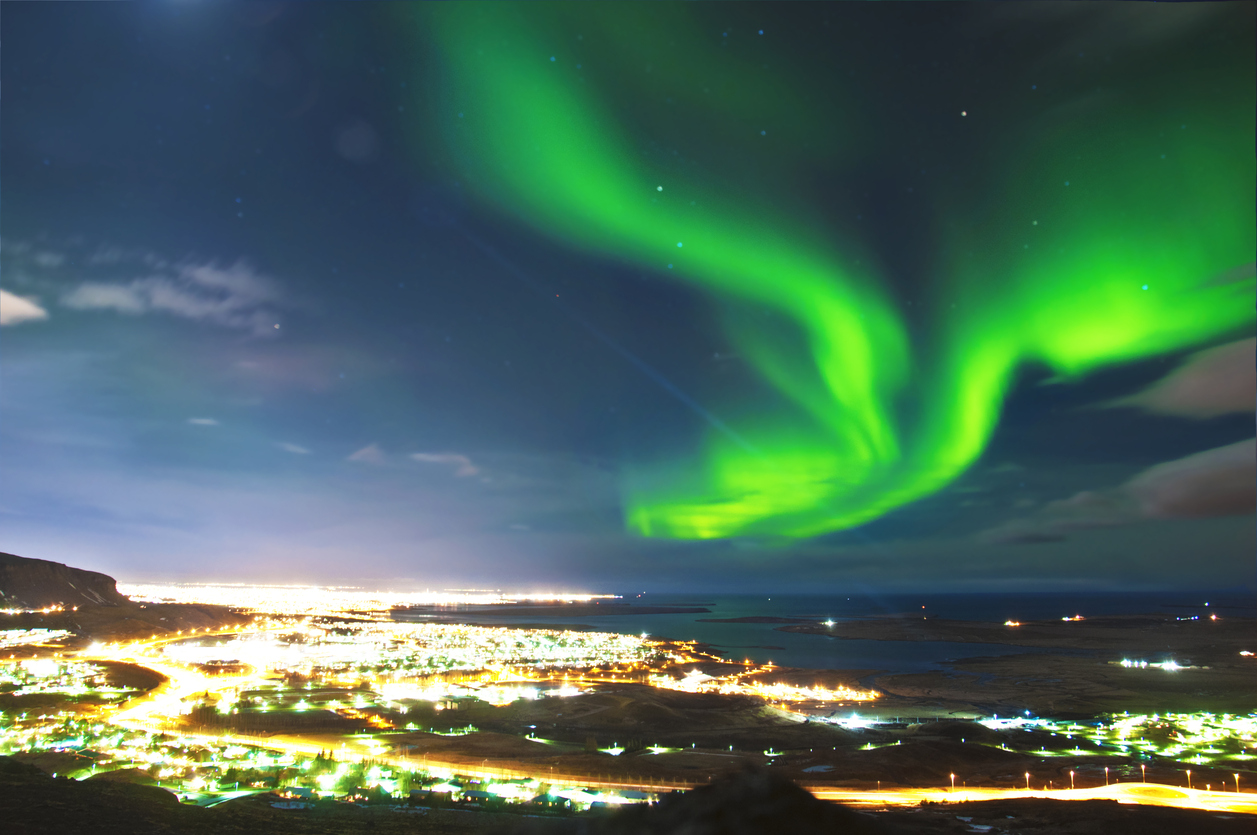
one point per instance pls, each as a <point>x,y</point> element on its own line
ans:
<point>38,257</point>
<point>293,448</point>
<point>203,421</point>
<point>49,259</point>
<point>119,255</point>
<point>119,297</point>
<point>235,297</point>
<point>17,309</point>
<point>1216,381</point>
<point>1215,483</point>
<point>368,455</point>
<point>461,463</point>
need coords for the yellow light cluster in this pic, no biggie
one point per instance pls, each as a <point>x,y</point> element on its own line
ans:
<point>1188,737</point>
<point>44,611</point>
<point>48,675</point>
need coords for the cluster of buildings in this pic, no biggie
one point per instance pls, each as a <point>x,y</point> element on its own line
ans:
<point>207,732</point>
<point>203,768</point>
<point>55,676</point>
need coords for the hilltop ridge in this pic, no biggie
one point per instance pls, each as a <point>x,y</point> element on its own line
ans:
<point>89,604</point>
<point>27,583</point>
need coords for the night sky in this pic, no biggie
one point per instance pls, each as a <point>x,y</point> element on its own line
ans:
<point>722,297</point>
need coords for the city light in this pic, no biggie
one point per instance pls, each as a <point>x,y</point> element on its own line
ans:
<point>375,675</point>
<point>330,600</point>
<point>1169,666</point>
<point>31,637</point>
<point>740,683</point>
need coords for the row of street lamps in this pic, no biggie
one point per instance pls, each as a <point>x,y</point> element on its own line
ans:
<point>1143,769</point>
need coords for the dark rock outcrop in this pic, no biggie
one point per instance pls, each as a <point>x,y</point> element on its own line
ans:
<point>88,604</point>
<point>753,801</point>
<point>37,584</point>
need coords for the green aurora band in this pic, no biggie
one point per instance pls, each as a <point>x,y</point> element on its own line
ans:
<point>1118,237</point>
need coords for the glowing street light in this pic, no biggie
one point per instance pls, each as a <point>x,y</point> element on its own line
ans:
<point>1189,778</point>
<point>1071,780</point>
<point>1106,775</point>
<point>1027,781</point>
<point>1237,783</point>
<point>953,782</point>
<point>1143,769</point>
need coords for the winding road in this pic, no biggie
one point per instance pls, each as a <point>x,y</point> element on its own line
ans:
<point>155,710</point>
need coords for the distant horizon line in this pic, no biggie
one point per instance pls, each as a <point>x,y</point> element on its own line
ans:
<point>408,586</point>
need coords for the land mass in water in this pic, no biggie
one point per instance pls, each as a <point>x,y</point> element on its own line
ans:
<point>495,612</point>
<point>754,619</point>
<point>1073,668</point>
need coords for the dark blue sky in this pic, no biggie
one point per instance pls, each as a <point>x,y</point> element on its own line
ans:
<point>255,328</point>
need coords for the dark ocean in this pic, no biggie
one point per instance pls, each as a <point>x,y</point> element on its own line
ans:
<point>762,642</point>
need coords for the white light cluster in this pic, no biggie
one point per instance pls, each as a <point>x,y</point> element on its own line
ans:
<point>1011,724</point>
<point>854,722</point>
<point>23,637</point>
<point>1168,666</point>
<point>409,649</point>
<point>698,682</point>
<point>324,600</point>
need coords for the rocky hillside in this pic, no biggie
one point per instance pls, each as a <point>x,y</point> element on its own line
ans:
<point>37,584</point>
<point>91,605</point>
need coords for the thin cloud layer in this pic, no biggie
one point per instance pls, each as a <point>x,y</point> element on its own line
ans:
<point>1217,482</point>
<point>1217,381</point>
<point>461,463</point>
<point>1214,483</point>
<point>17,309</point>
<point>368,455</point>
<point>234,297</point>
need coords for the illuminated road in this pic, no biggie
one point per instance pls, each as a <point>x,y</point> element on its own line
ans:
<point>167,699</point>
<point>1146,794</point>
<point>155,711</point>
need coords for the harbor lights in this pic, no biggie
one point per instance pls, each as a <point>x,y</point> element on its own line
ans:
<point>1071,781</point>
<point>953,782</point>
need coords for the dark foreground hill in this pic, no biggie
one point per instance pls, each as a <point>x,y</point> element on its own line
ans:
<point>38,584</point>
<point>32,802</point>
<point>753,801</point>
<point>757,802</point>
<point>89,604</point>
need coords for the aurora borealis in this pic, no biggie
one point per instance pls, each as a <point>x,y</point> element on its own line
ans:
<point>1107,246</point>
<point>597,295</point>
